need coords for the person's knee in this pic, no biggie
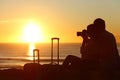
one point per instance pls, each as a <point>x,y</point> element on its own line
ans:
<point>70,57</point>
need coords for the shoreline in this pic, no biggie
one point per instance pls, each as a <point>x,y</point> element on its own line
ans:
<point>4,66</point>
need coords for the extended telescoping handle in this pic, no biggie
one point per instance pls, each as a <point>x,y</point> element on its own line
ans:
<point>52,39</point>
<point>34,53</point>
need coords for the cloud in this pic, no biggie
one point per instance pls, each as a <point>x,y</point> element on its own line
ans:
<point>13,20</point>
<point>4,21</point>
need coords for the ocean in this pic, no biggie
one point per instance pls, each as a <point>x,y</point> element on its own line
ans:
<point>15,55</point>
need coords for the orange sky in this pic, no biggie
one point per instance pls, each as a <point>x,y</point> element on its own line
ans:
<point>56,18</point>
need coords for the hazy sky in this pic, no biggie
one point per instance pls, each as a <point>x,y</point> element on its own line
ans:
<point>59,18</point>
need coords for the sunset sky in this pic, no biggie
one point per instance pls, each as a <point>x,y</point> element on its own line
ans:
<point>20,20</point>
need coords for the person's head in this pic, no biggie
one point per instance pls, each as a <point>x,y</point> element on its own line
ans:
<point>99,24</point>
<point>91,30</point>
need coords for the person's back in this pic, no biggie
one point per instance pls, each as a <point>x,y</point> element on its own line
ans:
<point>108,53</point>
<point>108,45</point>
<point>106,42</point>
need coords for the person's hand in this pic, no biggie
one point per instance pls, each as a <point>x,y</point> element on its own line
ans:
<point>84,35</point>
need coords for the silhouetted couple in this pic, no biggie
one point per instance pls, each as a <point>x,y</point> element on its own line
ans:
<point>99,50</point>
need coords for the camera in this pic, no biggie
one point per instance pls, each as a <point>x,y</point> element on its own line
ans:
<point>84,32</point>
<point>79,33</point>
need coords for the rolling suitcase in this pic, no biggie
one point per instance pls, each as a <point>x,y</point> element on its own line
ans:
<point>52,70</point>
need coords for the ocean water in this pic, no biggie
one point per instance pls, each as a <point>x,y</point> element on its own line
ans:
<point>15,55</point>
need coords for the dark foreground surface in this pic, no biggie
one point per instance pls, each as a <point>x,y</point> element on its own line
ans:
<point>34,71</point>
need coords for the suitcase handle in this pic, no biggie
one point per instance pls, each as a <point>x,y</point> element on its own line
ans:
<point>52,39</point>
<point>34,52</point>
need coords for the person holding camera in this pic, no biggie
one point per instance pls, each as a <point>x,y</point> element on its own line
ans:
<point>88,50</point>
<point>89,60</point>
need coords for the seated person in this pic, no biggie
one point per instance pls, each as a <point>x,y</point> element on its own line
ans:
<point>88,50</point>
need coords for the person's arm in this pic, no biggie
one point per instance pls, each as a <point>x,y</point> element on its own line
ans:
<point>84,44</point>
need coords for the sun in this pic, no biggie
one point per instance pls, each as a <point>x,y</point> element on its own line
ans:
<point>32,33</point>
